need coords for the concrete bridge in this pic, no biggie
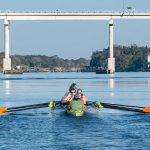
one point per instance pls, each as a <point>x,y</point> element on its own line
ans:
<point>110,16</point>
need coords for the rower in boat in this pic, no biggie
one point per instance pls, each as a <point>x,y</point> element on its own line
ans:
<point>76,106</point>
<point>68,97</point>
<point>82,96</point>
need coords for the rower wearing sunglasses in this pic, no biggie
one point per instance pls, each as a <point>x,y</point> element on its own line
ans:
<point>69,95</point>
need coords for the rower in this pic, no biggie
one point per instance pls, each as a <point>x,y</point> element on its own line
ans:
<point>82,96</point>
<point>69,95</point>
<point>76,104</point>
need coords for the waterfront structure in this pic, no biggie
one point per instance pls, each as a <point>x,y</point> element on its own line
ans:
<point>110,16</point>
<point>148,60</point>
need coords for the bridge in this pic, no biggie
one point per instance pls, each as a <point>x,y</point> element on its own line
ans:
<point>58,15</point>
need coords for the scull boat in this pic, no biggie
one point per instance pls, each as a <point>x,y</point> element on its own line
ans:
<point>75,113</point>
<point>97,105</point>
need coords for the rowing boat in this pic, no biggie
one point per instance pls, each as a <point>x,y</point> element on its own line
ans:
<point>75,113</point>
<point>75,108</point>
<point>78,111</point>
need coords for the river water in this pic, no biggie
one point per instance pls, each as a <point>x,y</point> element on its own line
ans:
<point>45,129</point>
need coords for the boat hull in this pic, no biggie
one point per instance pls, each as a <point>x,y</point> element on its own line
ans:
<point>75,113</point>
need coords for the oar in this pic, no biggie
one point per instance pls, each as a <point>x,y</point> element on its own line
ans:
<point>121,107</point>
<point>36,107</point>
<point>51,104</point>
<point>127,108</point>
<point>27,106</point>
<point>4,110</point>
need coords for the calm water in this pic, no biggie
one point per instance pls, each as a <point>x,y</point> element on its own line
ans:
<point>98,129</point>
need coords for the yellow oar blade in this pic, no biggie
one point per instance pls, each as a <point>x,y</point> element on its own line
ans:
<point>2,110</point>
<point>146,109</point>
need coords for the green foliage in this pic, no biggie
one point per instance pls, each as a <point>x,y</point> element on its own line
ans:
<point>43,61</point>
<point>128,58</point>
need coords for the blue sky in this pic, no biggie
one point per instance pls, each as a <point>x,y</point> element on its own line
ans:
<point>72,39</point>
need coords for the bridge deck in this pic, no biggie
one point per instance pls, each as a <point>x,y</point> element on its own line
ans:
<point>74,15</point>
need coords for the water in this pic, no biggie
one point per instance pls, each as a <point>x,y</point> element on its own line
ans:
<point>98,129</point>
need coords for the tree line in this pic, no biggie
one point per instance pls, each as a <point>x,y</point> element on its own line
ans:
<point>127,58</point>
<point>43,61</point>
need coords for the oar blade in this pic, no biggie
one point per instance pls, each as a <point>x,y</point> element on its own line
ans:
<point>146,109</point>
<point>2,110</point>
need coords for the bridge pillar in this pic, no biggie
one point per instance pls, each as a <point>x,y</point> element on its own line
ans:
<point>111,59</point>
<point>7,59</point>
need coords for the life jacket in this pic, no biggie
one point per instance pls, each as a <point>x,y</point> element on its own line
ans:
<point>83,99</point>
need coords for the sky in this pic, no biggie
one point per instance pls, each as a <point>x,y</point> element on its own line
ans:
<point>72,39</point>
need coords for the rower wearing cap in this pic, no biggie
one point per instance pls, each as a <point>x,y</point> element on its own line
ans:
<point>69,95</point>
<point>76,104</point>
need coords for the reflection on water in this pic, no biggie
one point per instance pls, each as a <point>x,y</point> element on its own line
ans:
<point>7,87</point>
<point>148,82</point>
<point>111,83</point>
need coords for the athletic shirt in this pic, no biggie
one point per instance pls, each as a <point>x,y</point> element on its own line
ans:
<point>67,97</point>
<point>75,105</point>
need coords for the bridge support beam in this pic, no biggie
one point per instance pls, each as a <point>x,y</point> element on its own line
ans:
<point>111,59</point>
<point>7,59</point>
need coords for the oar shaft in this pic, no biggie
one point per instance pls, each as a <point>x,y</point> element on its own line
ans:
<point>36,107</point>
<point>124,108</point>
<point>26,106</point>
<point>119,107</point>
<point>122,105</point>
